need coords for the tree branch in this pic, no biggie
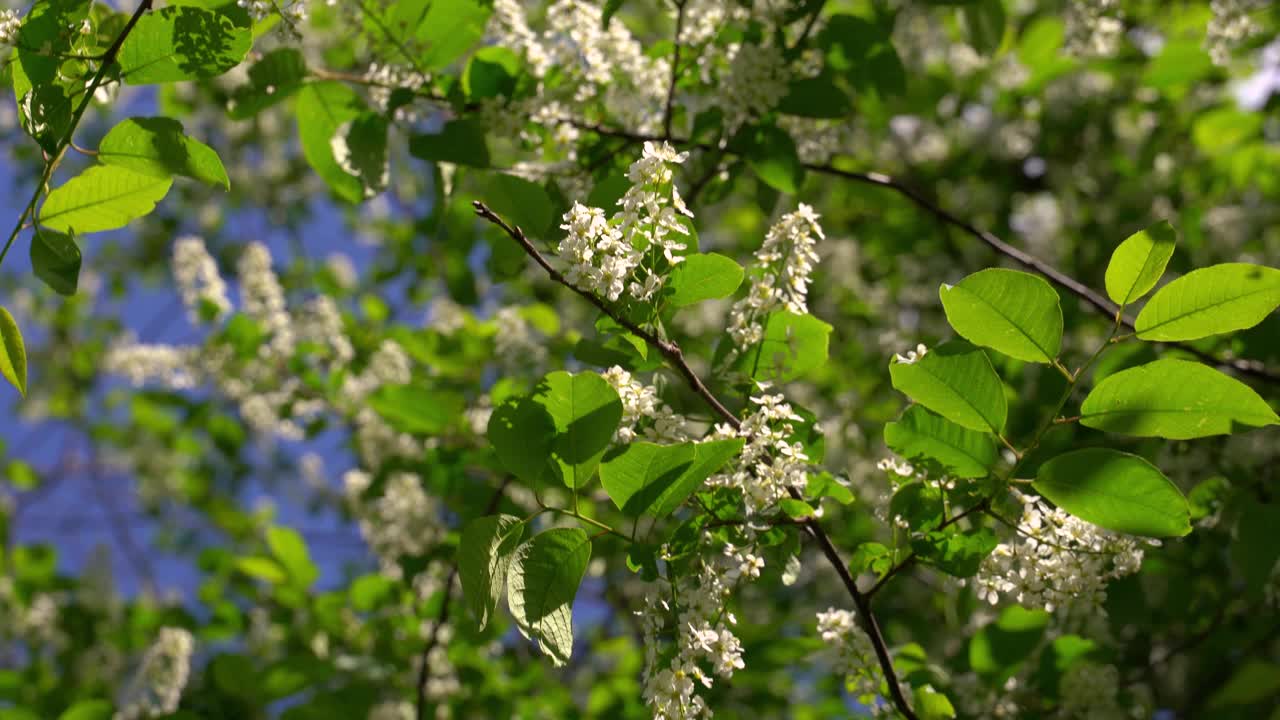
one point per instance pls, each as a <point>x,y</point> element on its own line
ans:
<point>911,557</point>
<point>671,351</point>
<point>1101,304</point>
<point>675,70</point>
<point>108,58</point>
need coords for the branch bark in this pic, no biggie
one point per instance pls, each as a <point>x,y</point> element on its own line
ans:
<point>671,351</point>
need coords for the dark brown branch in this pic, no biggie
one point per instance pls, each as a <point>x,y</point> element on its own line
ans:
<point>1104,306</point>
<point>671,351</point>
<point>424,670</point>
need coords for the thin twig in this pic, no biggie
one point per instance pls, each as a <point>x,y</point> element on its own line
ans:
<point>671,351</point>
<point>675,71</point>
<point>911,557</point>
<point>1098,302</point>
<point>108,58</point>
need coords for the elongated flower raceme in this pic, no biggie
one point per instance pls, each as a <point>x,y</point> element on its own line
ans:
<point>157,685</point>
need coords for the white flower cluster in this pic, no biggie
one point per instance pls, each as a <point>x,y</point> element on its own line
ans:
<point>198,280</point>
<point>911,358</point>
<point>1090,692</point>
<point>1056,560</point>
<point>605,256</point>
<point>384,78</point>
<point>156,688</point>
<point>642,406</point>
<point>855,657</point>
<point>403,520</point>
<point>1231,25</point>
<point>262,299</point>
<point>769,464</point>
<point>33,621</point>
<point>599,62</point>
<point>1092,28</point>
<point>392,710</point>
<point>515,342</point>
<point>10,24</point>
<point>599,261</point>
<point>786,258</point>
<point>293,11</point>
<point>704,19</point>
<point>757,79</point>
<point>703,635</point>
<point>273,403</point>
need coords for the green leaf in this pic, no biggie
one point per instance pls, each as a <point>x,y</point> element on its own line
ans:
<point>372,591</point>
<point>1255,681</point>
<point>1210,301</point>
<point>795,509</point>
<point>262,568</point>
<point>792,346</point>
<point>89,710</point>
<point>921,434</point>
<point>1139,261</point>
<point>21,475</point>
<point>703,277</point>
<point>290,550</point>
<point>656,479</point>
<point>42,86</point>
<point>359,146</point>
<point>491,72</point>
<point>959,554</point>
<point>522,432</point>
<point>586,412</point>
<point>984,22</point>
<point>542,581</point>
<point>1115,490</point>
<point>999,648</point>
<point>932,705</point>
<point>772,155</point>
<point>103,197</point>
<point>156,146</point>
<point>182,43</point>
<point>521,202</point>
<point>824,485</point>
<point>13,354</point>
<point>321,109</point>
<point>55,258</point>
<point>816,97</point>
<point>449,29</point>
<point>1011,312</point>
<point>863,52</point>
<point>1175,399</point>
<point>484,554</point>
<point>920,505</point>
<point>955,380</point>
<point>461,141</point>
<point>292,674</point>
<point>415,409</point>
<point>276,77</point>
<point>871,557</point>
<point>1254,551</point>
